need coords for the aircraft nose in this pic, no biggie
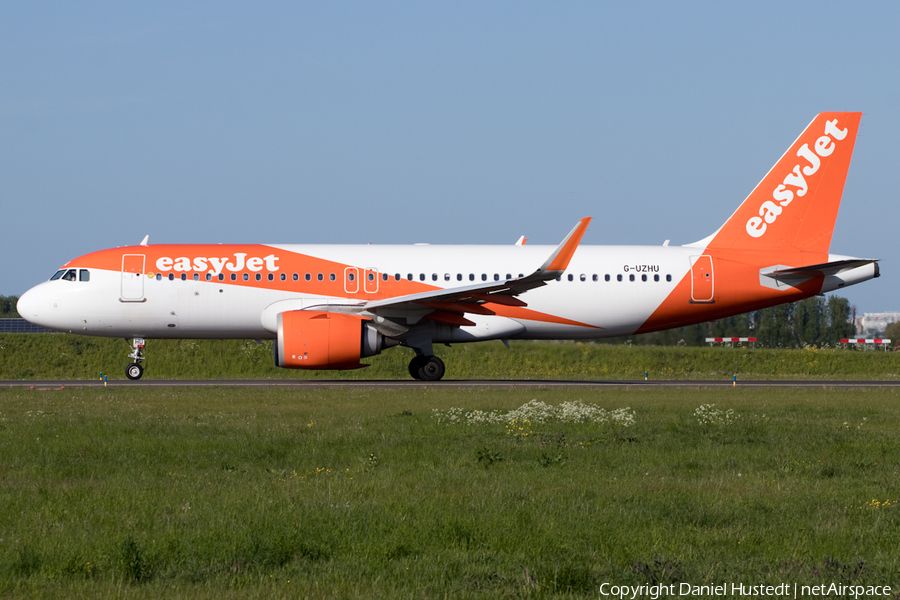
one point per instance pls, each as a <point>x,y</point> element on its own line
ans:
<point>28,305</point>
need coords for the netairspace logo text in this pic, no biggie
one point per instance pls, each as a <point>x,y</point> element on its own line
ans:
<point>734,590</point>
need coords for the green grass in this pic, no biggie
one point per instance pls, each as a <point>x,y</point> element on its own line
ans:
<point>237,493</point>
<point>48,356</point>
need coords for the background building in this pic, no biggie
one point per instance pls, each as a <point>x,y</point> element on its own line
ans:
<point>873,324</point>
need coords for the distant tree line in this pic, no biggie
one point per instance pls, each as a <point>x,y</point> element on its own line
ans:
<point>8,307</point>
<point>892,332</point>
<point>816,321</point>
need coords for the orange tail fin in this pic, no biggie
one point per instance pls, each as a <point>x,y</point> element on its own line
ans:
<point>795,205</point>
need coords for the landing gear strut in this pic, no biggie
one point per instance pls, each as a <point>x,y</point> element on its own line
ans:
<point>135,370</point>
<point>426,368</point>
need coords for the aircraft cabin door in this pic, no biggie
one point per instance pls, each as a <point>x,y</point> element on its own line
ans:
<point>702,282</point>
<point>132,278</point>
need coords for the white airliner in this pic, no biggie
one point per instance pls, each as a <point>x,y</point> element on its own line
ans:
<point>328,306</point>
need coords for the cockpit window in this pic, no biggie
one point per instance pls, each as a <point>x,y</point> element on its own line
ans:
<point>57,275</point>
<point>84,275</point>
<point>70,275</point>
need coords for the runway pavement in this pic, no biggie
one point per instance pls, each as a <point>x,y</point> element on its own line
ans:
<point>449,384</point>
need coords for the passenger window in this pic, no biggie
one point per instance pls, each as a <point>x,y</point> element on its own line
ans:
<point>184,276</point>
<point>559,278</point>
<point>351,277</point>
<point>196,276</point>
<point>606,277</point>
<point>234,276</point>
<point>583,277</point>
<point>571,277</point>
<point>246,276</point>
<point>331,277</point>
<point>521,275</point>
<point>496,276</point>
<point>221,276</point>
<point>397,277</point>
<point>284,277</point>
<point>409,277</point>
<point>159,276</point>
<point>84,275</point>
<point>484,276</point>
<point>385,277</point>
<point>371,276</point>
<point>70,275</point>
<point>446,276</point>
<point>57,275</point>
<point>459,276</point>
<point>320,277</point>
<point>434,276</point>
<point>421,276</point>
<point>668,278</point>
<point>595,277</point>
<point>656,278</point>
<point>619,277</point>
<point>259,276</point>
<point>208,276</point>
<point>471,276</point>
<point>631,278</point>
<point>171,276</point>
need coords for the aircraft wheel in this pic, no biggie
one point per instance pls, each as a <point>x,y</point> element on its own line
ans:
<point>134,371</point>
<point>415,364</point>
<point>432,369</point>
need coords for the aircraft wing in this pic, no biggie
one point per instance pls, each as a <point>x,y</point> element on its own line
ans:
<point>471,298</point>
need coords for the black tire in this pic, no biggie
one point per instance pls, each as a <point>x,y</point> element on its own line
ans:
<point>432,369</point>
<point>415,364</point>
<point>134,371</point>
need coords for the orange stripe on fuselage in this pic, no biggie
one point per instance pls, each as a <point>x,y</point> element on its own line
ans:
<point>737,289</point>
<point>515,312</point>
<point>288,263</point>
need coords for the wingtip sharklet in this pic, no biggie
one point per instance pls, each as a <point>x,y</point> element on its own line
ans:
<point>559,260</point>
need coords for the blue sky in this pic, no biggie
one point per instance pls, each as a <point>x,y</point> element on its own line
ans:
<point>465,122</point>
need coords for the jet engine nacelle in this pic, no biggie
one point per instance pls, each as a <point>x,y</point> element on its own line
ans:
<point>324,340</point>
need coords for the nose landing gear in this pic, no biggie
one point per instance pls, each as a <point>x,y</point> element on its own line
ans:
<point>135,370</point>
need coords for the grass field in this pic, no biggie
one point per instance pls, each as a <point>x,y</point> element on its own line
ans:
<point>237,493</point>
<point>48,356</point>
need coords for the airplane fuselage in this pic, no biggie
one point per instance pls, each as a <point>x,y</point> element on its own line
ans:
<point>606,291</point>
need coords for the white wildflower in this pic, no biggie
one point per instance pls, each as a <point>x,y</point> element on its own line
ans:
<point>539,412</point>
<point>708,414</point>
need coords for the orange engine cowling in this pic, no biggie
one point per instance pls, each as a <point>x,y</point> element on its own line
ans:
<point>324,340</point>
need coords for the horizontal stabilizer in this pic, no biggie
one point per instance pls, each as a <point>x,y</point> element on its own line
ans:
<point>834,274</point>
<point>830,268</point>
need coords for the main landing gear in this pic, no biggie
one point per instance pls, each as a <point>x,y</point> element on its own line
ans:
<point>135,370</point>
<point>426,368</point>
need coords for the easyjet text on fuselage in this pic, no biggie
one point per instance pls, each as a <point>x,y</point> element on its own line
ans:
<point>215,265</point>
